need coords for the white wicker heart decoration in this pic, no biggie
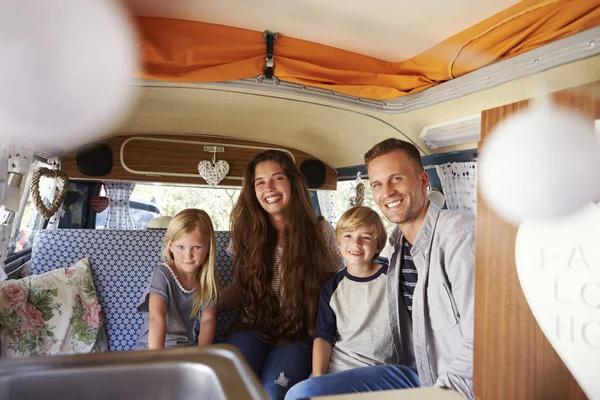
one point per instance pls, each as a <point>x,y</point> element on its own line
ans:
<point>213,173</point>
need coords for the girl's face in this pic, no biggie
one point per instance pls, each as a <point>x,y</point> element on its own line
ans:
<point>272,187</point>
<point>358,247</point>
<point>189,251</point>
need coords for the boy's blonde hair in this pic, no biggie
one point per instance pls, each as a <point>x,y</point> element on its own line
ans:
<point>361,217</point>
<point>185,222</point>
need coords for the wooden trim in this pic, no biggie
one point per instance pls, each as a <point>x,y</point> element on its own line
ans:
<point>174,159</point>
<point>513,359</point>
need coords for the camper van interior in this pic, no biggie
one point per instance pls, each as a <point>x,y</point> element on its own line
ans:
<point>115,117</point>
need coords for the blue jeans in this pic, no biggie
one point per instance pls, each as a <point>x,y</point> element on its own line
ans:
<point>277,368</point>
<point>358,380</point>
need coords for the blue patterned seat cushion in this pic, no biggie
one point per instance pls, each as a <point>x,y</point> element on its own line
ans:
<point>122,263</point>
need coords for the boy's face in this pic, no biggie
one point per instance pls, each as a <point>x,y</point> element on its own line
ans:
<point>358,247</point>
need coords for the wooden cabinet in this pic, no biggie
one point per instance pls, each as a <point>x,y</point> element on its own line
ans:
<point>513,358</point>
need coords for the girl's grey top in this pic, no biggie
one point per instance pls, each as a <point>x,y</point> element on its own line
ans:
<point>182,329</point>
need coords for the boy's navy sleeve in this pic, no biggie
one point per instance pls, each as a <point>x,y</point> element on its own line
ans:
<point>326,322</point>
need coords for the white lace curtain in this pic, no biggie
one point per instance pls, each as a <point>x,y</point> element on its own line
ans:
<point>326,205</point>
<point>459,183</point>
<point>18,161</point>
<point>119,215</point>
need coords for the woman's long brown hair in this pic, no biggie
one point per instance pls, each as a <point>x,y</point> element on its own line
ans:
<point>303,260</point>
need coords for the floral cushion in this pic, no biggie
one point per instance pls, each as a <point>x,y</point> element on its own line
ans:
<point>53,313</point>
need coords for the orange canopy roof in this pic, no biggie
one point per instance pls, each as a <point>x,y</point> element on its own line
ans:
<point>184,51</point>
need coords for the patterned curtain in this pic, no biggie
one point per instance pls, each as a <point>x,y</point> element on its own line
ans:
<point>326,205</point>
<point>18,161</point>
<point>459,183</point>
<point>119,215</point>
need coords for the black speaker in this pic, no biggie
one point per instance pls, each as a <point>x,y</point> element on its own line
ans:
<point>94,160</point>
<point>314,171</point>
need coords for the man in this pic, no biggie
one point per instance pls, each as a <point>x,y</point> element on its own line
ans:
<point>430,285</point>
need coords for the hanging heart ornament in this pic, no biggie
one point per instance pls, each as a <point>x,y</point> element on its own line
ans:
<point>59,197</point>
<point>558,262</point>
<point>99,203</point>
<point>213,173</point>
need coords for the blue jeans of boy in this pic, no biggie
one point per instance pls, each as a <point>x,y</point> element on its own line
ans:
<point>358,380</point>
<point>277,368</point>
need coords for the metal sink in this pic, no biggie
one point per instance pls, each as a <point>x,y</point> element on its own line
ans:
<point>212,373</point>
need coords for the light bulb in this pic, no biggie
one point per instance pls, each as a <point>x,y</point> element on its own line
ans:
<point>541,163</point>
<point>66,72</point>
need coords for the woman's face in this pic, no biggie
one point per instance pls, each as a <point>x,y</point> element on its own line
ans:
<point>272,187</point>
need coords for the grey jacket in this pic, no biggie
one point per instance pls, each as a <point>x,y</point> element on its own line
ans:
<point>439,338</point>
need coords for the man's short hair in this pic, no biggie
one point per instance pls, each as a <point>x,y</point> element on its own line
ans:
<point>362,217</point>
<point>393,144</point>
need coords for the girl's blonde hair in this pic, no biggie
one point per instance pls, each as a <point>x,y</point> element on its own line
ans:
<point>185,222</point>
<point>360,217</point>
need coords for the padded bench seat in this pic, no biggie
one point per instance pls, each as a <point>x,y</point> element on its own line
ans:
<point>122,263</point>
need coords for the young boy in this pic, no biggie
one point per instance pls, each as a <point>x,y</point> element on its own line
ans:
<point>352,325</point>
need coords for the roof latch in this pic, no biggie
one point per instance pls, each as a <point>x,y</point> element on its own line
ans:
<point>270,38</point>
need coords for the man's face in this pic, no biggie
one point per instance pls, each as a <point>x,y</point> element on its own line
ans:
<point>398,190</point>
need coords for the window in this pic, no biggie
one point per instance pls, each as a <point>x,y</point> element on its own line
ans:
<point>28,220</point>
<point>149,201</point>
<point>341,203</point>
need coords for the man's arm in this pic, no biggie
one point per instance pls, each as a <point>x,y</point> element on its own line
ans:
<point>460,268</point>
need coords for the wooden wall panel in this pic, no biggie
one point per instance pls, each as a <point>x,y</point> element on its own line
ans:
<point>161,158</point>
<point>513,359</point>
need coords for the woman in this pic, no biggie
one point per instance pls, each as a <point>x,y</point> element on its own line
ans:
<point>282,254</point>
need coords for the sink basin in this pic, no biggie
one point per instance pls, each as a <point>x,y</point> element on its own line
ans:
<point>212,373</point>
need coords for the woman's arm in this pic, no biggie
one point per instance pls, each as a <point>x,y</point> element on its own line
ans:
<point>321,354</point>
<point>207,326</point>
<point>227,299</point>
<point>157,307</point>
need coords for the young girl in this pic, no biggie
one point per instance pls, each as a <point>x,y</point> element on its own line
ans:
<point>179,302</point>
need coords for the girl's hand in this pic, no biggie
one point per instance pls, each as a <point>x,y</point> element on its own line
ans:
<point>157,307</point>
<point>208,323</point>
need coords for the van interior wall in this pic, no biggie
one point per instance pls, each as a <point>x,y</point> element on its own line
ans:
<point>174,159</point>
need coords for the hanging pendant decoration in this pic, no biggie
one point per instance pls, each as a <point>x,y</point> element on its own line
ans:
<point>359,188</point>
<point>213,172</point>
<point>99,203</point>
